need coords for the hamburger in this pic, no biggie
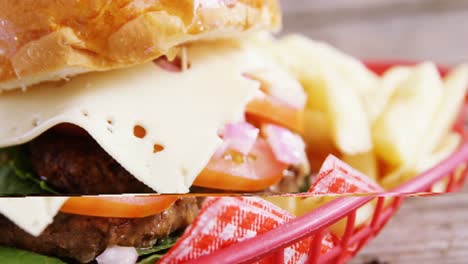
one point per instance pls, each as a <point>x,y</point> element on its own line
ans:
<point>144,97</point>
<point>116,97</point>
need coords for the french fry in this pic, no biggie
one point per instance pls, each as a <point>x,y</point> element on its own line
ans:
<point>287,203</point>
<point>447,146</point>
<point>376,100</point>
<point>400,130</point>
<point>455,85</point>
<point>317,132</point>
<point>334,82</point>
<point>436,147</point>
<point>306,57</point>
<point>365,163</point>
<point>397,176</point>
<point>363,216</point>
<point>398,119</point>
<point>349,124</point>
<point>402,174</point>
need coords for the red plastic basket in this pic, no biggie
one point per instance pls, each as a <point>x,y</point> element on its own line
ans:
<point>316,223</point>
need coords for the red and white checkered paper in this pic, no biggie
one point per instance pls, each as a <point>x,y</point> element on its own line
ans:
<point>224,221</point>
<point>337,177</point>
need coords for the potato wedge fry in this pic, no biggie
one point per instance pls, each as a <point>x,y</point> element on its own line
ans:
<point>376,100</point>
<point>306,57</point>
<point>317,132</point>
<point>398,176</point>
<point>455,87</point>
<point>299,205</point>
<point>334,82</point>
<point>448,145</point>
<point>404,173</point>
<point>365,163</point>
<point>349,123</point>
<point>363,216</point>
<point>400,130</point>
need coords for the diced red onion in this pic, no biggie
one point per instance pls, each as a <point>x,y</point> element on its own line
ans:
<point>295,98</point>
<point>280,85</point>
<point>240,136</point>
<point>116,254</point>
<point>288,147</point>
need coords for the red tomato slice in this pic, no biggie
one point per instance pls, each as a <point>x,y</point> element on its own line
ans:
<point>271,110</point>
<point>122,206</point>
<point>234,171</point>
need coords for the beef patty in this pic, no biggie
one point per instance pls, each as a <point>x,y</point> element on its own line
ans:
<point>76,164</point>
<point>83,238</point>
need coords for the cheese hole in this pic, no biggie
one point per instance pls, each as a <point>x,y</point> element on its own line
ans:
<point>110,121</point>
<point>157,148</point>
<point>139,131</point>
<point>84,113</point>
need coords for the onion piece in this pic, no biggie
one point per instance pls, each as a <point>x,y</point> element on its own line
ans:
<point>277,83</point>
<point>240,136</point>
<point>288,147</point>
<point>116,254</point>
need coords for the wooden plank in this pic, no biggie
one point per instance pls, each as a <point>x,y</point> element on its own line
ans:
<point>334,6</point>
<point>425,230</point>
<point>417,30</point>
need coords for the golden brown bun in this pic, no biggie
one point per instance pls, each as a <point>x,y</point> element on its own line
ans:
<point>50,40</point>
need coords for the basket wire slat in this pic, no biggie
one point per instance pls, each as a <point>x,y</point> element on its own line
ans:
<point>315,224</point>
<point>314,251</point>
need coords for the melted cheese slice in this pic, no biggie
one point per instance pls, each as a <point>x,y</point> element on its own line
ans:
<point>180,111</point>
<point>32,214</point>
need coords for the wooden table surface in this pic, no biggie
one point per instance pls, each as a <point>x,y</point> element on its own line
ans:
<point>428,230</point>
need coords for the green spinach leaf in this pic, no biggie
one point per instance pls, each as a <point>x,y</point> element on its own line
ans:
<point>17,176</point>
<point>16,256</point>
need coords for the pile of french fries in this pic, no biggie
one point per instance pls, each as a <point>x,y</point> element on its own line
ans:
<point>390,127</point>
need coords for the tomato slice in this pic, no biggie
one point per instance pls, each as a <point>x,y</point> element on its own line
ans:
<point>237,172</point>
<point>122,206</point>
<point>271,110</point>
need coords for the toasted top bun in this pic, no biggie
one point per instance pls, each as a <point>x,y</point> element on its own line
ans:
<point>51,40</point>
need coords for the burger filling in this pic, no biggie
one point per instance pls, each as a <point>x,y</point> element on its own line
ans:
<point>83,238</point>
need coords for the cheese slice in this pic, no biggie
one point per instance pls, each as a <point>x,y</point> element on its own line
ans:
<point>179,111</point>
<point>32,214</point>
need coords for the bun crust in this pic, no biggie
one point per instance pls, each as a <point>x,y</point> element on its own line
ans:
<point>49,40</point>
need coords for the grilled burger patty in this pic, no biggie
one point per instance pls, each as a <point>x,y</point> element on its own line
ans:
<point>76,164</point>
<point>83,238</point>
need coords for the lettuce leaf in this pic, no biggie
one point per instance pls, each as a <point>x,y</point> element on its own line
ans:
<point>147,255</point>
<point>155,253</point>
<point>17,176</point>
<point>151,259</point>
<point>16,256</point>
